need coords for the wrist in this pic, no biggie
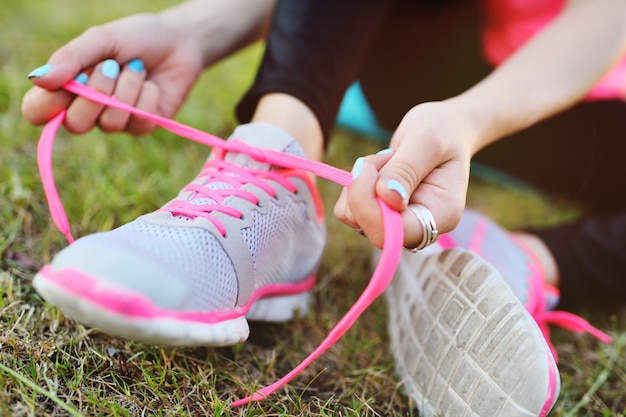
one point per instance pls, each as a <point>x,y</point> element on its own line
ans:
<point>470,116</point>
<point>218,28</point>
<point>490,117</point>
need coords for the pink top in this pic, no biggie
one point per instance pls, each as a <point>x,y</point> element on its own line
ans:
<point>510,23</point>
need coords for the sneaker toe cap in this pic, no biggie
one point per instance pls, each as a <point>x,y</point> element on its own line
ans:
<point>122,269</point>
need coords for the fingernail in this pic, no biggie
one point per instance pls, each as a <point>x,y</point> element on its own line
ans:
<point>82,78</point>
<point>358,167</point>
<point>397,187</point>
<point>110,69</point>
<point>135,65</point>
<point>384,151</point>
<point>41,71</point>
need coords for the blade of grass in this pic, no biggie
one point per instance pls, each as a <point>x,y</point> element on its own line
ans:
<point>600,380</point>
<point>74,412</point>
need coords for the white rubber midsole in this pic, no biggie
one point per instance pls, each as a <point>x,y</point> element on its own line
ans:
<point>170,331</point>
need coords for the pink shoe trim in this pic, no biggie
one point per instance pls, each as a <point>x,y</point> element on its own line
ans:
<point>137,306</point>
<point>478,237</point>
<point>537,305</point>
<point>552,389</point>
<point>393,231</point>
<point>446,241</point>
<point>536,301</point>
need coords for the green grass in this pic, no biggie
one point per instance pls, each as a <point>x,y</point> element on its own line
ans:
<point>52,366</point>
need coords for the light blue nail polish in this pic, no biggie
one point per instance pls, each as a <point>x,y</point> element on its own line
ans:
<point>110,69</point>
<point>397,187</point>
<point>135,65</point>
<point>41,71</point>
<point>384,151</point>
<point>358,167</point>
<point>82,78</point>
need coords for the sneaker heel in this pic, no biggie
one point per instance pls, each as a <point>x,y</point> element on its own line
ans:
<point>280,308</point>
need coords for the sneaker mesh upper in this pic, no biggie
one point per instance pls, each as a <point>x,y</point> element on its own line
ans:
<point>281,223</point>
<point>191,255</point>
<point>284,244</point>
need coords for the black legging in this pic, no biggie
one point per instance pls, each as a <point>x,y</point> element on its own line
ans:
<point>406,52</point>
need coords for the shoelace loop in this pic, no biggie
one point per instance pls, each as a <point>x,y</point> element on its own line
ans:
<point>563,319</point>
<point>236,177</point>
<point>392,221</point>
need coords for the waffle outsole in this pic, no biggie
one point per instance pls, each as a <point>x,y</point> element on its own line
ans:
<point>463,344</point>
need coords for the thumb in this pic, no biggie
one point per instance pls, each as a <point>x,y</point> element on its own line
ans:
<point>397,180</point>
<point>53,76</point>
<point>75,60</point>
<point>46,99</point>
<point>422,174</point>
<point>79,55</point>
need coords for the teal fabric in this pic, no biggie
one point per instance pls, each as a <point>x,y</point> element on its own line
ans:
<point>355,114</point>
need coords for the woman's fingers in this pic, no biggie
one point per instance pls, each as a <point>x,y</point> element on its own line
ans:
<point>40,105</point>
<point>128,89</point>
<point>83,114</point>
<point>441,192</point>
<point>149,100</point>
<point>342,209</point>
<point>127,84</point>
<point>361,207</point>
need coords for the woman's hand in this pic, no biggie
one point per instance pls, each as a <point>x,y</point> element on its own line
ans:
<point>150,61</point>
<point>429,165</point>
<point>158,67</point>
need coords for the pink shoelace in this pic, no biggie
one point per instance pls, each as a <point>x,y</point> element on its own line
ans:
<point>544,317</point>
<point>393,232</point>
<point>221,171</point>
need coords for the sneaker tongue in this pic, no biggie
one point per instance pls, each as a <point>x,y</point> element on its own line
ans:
<point>265,136</point>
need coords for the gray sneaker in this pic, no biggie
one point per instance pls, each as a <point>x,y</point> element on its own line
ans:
<point>463,343</point>
<point>242,241</point>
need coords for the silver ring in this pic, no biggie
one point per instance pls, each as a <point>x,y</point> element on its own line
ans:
<point>429,227</point>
